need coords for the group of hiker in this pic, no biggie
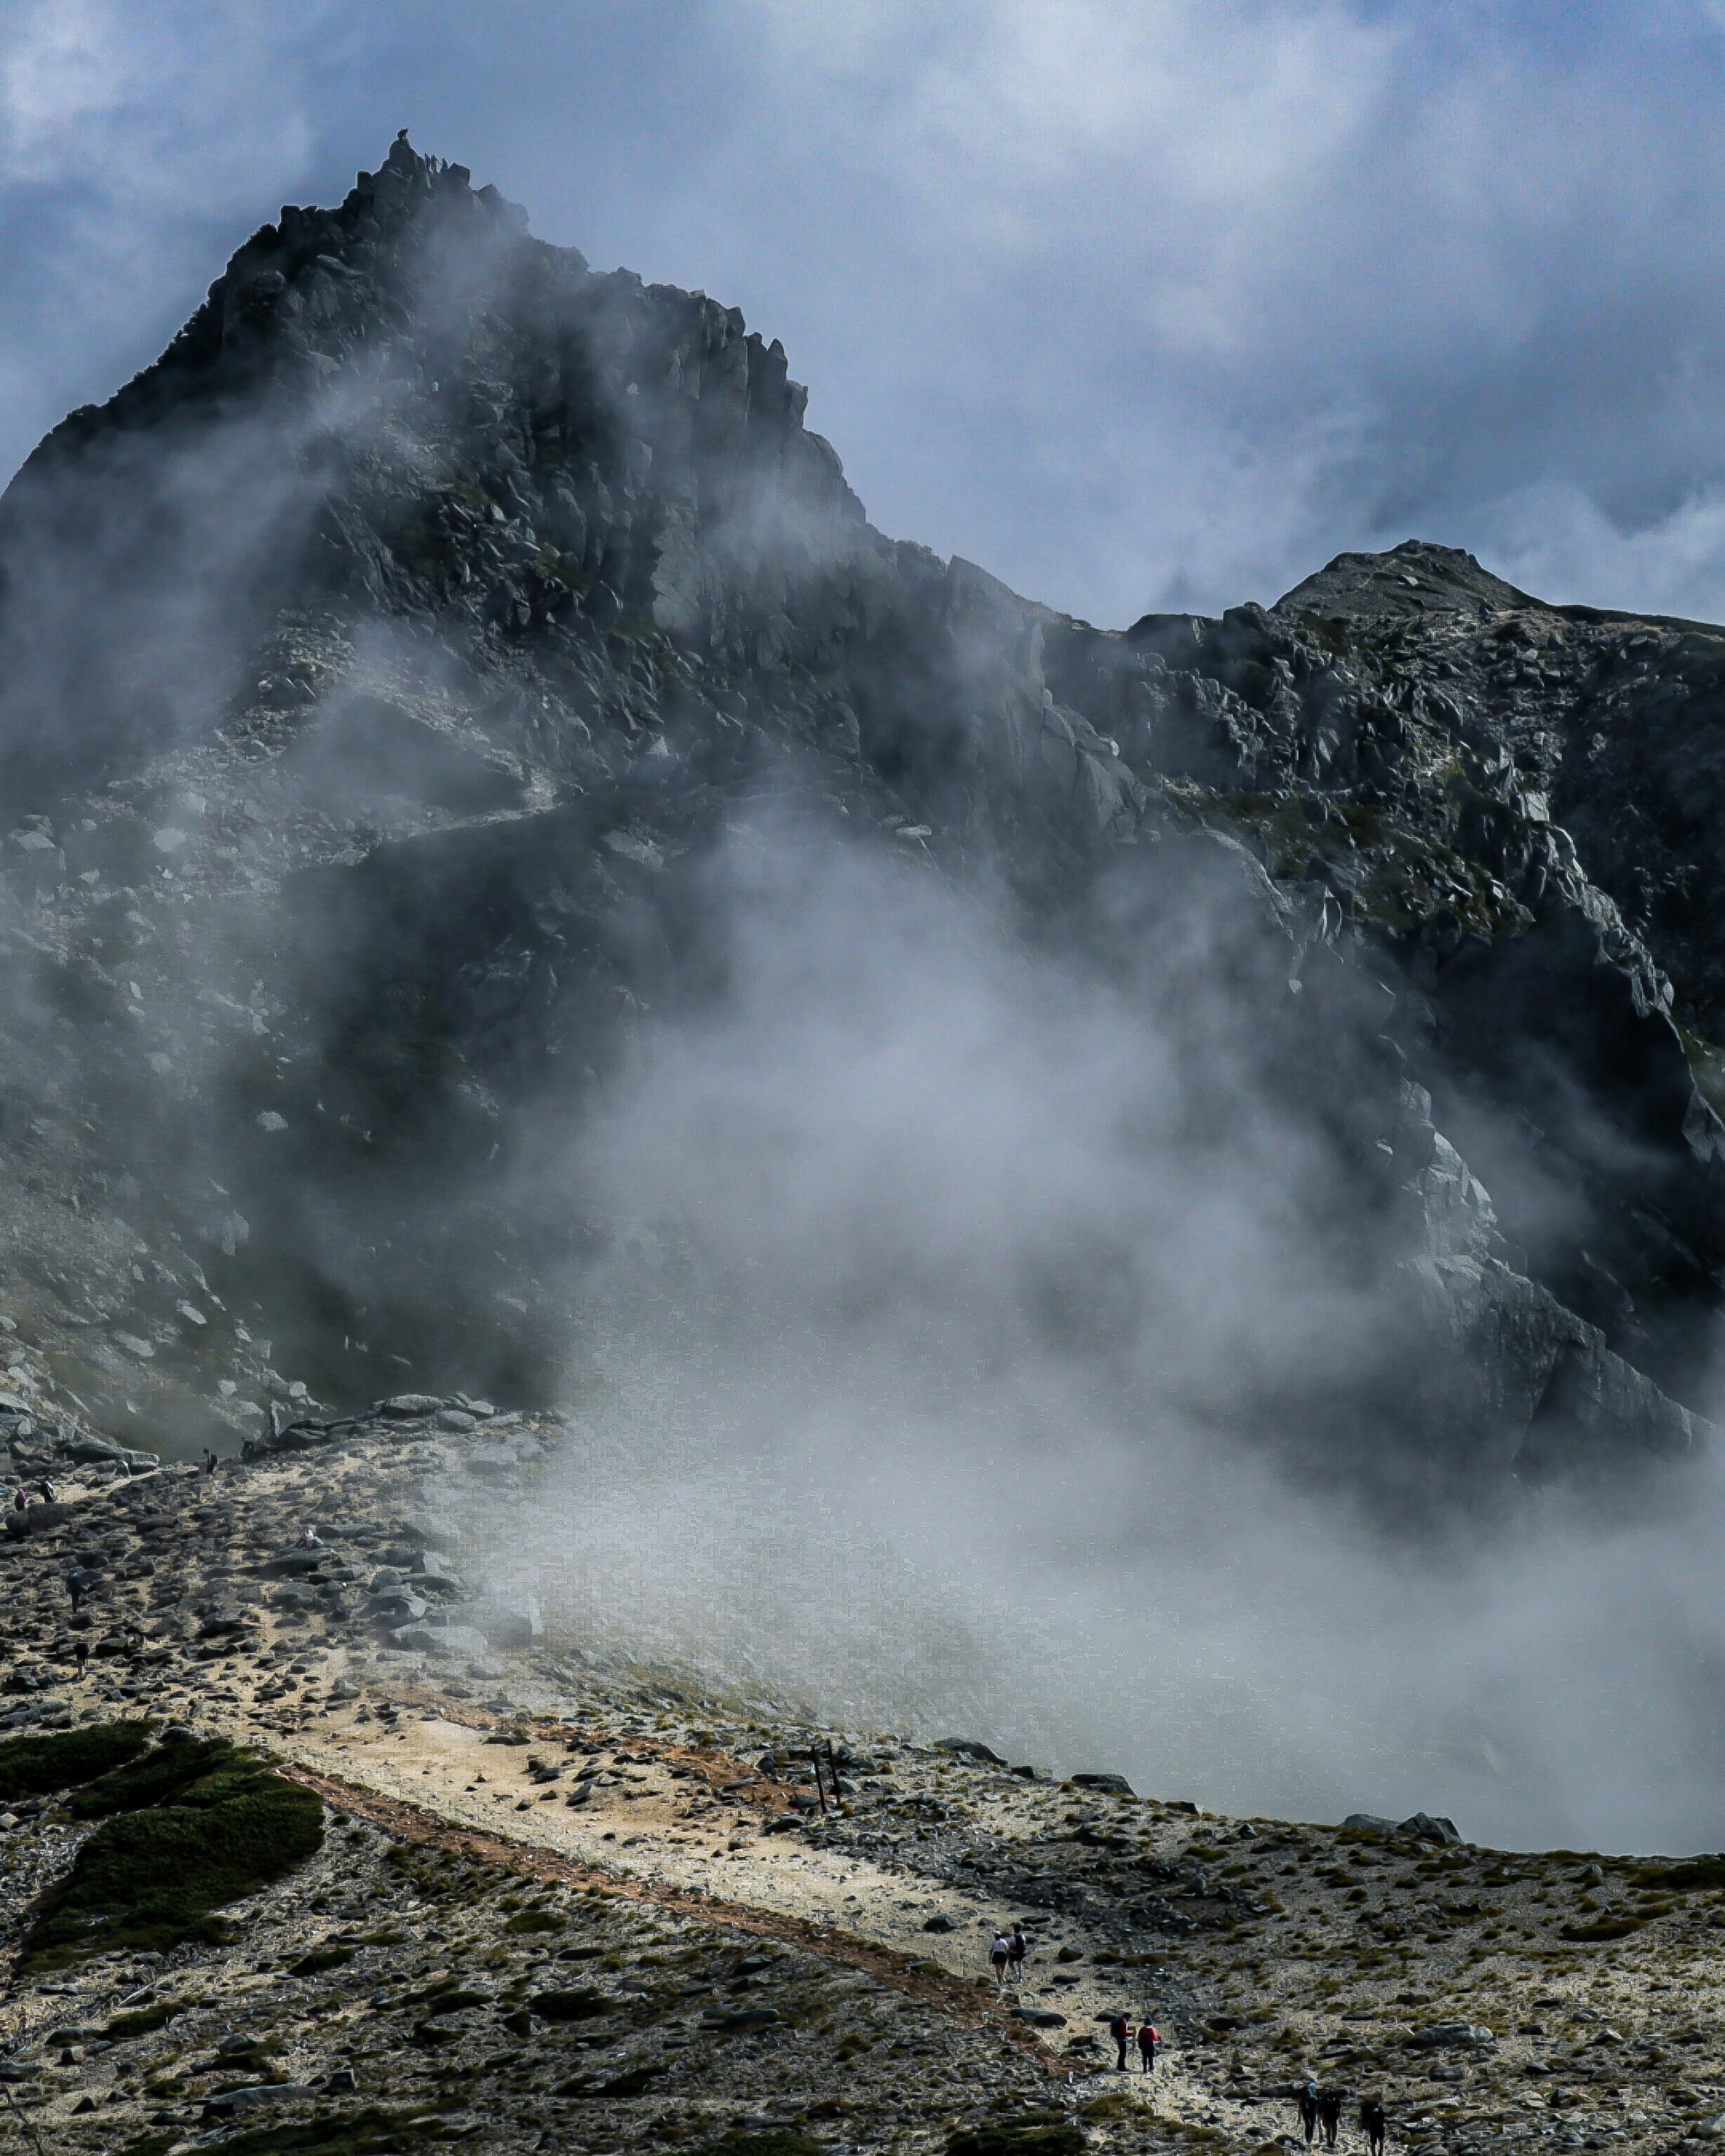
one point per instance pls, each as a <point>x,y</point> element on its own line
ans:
<point>1321,2112</point>
<point>1121,2030</point>
<point>1320,2109</point>
<point>1006,1956</point>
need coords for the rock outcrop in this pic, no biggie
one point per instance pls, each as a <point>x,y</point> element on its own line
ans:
<point>380,668</point>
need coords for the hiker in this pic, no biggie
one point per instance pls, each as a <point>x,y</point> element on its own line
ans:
<point>210,1462</point>
<point>999,1954</point>
<point>1329,2114</point>
<point>1308,2110</point>
<point>311,1539</point>
<point>21,1498</point>
<point>46,1486</point>
<point>1121,2030</point>
<point>80,1654</point>
<point>1016,1947</point>
<point>1372,2119</point>
<point>1147,2041</point>
<point>75,1584</point>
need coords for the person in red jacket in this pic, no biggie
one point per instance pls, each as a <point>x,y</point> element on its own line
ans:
<point>1147,2041</point>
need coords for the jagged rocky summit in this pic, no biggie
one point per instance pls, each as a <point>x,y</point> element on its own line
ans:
<point>381,668</point>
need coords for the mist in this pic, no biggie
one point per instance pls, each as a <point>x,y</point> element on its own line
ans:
<point>942,1269</point>
<point>983,1284</point>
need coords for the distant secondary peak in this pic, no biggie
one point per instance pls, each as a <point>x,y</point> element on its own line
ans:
<point>1417,577</point>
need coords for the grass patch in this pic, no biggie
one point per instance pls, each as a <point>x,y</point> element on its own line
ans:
<point>367,2132</point>
<point>31,1766</point>
<point>162,1774</point>
<point>636,2082</point>
<point>186,1829</point>
<point>321,1958</point>
<point>1699,1872</point>
<point>786,2141</point>
<point>534,1920</point>
<point>1018,2137</point>
<point>571,2005</point>
<point>1608,1927</point>
<point>144,2022</point>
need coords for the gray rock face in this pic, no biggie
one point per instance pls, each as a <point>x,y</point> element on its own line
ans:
<point>531,596</point>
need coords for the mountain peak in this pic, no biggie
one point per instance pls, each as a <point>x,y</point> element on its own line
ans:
<point>1417,577</point>
<point>386,674</point>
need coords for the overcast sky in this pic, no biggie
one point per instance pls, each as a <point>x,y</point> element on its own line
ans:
<point>1137,302</point>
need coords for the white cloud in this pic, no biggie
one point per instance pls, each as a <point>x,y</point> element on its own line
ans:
<point>141,107</point>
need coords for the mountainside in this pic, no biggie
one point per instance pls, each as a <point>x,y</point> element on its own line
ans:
<point>543,1896</point>
<point>411,682</point>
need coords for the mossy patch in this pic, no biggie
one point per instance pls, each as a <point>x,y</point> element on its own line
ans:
<point>144,2022</point>
<point>321,1958</point>
<point>186,1828</point>
<point>1608,1927</point>
<point>358,2133</point>
<point>166,1773</point>
<point>31,1766</point>
<point>534,1920</point>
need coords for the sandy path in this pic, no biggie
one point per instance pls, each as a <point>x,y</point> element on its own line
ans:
<point>681,1840</point>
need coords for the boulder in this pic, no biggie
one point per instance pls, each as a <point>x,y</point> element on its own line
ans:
<point>1117,1783</point>
<point>234,2101</point>
<point>507,1625</point>
<point>395,1607</point>
<point>447,1640</point>
<point>969,1748</point>
<point>408,1407</point>
<point>1452,2036</point>
<point>1426,1828</point>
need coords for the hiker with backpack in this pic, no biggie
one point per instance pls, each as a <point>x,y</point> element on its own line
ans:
<point>1121,2030</point>
<point>1372,2119</point>
<point>1016,1947</point>
<point>1307,2101</point>
<point>999,1954</point>
<point>1329,2114</point>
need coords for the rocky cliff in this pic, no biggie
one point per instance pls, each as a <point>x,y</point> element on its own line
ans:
<point>381,668</point>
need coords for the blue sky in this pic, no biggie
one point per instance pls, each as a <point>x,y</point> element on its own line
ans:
<point>1137,302</point>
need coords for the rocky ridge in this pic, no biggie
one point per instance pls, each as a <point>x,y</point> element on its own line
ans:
<point>436,608</point>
